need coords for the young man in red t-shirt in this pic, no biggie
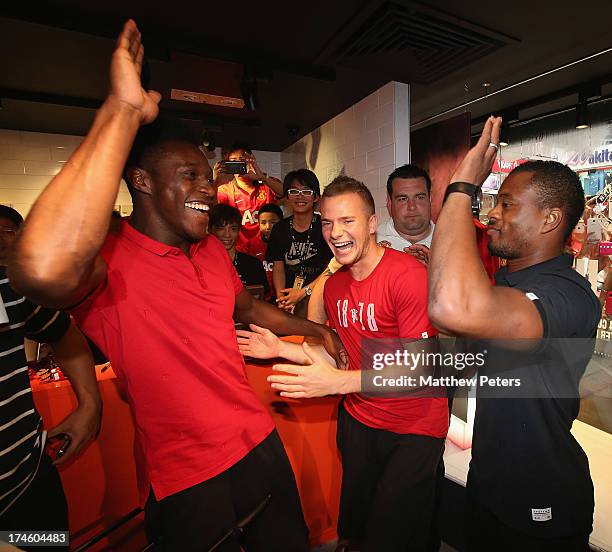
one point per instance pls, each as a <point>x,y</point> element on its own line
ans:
<point>247,192</point>
<point>391,446</point>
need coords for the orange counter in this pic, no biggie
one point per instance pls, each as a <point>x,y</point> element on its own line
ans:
<point>101,484</point>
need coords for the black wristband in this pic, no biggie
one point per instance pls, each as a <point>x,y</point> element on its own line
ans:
<point>463,187</point>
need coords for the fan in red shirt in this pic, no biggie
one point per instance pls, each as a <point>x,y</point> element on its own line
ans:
<point>247,192</point>
<point>269,215</point>
<point>391,446</point>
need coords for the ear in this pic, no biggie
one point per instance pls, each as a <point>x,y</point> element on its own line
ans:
<point>553,219</point>
<point>373,224</point>
<point>140,180</point>
<point>388,204</point>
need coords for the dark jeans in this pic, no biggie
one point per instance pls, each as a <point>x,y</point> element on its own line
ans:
<point>390,485</point>
<point>196,518</point>
<point>42,507</point>
<point>485,532</point>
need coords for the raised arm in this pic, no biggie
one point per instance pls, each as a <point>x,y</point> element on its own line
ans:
<point>55,259</point>
<point>462,300</point>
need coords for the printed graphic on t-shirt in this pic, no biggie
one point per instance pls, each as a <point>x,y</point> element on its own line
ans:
<point>360,314</point>
<point>300,252</point>
<point>250,217</point>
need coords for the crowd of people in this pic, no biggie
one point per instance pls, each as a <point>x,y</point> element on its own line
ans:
<point>198,238</point>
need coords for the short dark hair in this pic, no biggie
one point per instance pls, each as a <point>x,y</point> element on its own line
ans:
<point>556,185</point>
<point>347,185</point>
<point>305,178</point>
<point>148,142</point>
<point>222,214</point>
<point>11,214</point>
<point>408,171</point>
<point>271,208</point>
<point>236,146</point>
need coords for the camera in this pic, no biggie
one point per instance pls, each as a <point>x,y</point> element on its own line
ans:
<point>235,167</point>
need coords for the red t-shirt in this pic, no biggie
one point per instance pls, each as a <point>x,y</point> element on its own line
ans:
<point>390,303</point>
<point>248,203</point>
<point>164,320</point>
<point>257,248</point>
<point>490,262</point>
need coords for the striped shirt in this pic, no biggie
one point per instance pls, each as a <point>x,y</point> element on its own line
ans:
<point>21,445</point>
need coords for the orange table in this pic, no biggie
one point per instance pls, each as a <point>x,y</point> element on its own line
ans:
<point>101,484</point>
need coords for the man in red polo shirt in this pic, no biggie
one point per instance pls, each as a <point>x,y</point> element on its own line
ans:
<point>391,446</point>
<point>248,193</point>
<point>158,298</point>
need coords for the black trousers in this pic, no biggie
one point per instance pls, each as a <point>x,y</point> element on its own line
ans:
<point>196,518</point>
<point>390,487</point>
<point>42,507</point>
<point>485,532</point>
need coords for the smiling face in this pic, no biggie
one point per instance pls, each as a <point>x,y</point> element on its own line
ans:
<point>410,206</point>
<point>348,227</point>
<point>227,234</point>
<point>516,222</point>
<point>177,192</point>
<point>300,203</point>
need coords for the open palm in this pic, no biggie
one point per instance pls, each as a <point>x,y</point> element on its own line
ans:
<point>260,343</point>
<point>126,65</point>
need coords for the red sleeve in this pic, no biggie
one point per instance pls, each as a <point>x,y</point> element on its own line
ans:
<point>86,313</point>
<point>224,258</point>
<point>222,195</point>
<point>273,197</point>
<point>410,301</point>
<point>238,287</point>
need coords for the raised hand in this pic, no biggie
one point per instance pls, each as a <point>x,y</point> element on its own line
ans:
<point>476,165</point>
<point>126,65</point>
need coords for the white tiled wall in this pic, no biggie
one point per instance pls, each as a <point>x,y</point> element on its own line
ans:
<point>28,161</point>
<point>367,141</point>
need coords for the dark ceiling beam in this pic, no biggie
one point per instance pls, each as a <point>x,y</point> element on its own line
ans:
<point>213,121</point>
<point>159,45</point>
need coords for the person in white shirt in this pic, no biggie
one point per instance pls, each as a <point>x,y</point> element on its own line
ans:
<point>410,227</point>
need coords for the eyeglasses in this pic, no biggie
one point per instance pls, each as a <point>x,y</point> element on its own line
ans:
<point>294,192</point>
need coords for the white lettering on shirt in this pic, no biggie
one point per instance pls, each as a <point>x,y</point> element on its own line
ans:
<point>250,217</point>
<point>356,315</point>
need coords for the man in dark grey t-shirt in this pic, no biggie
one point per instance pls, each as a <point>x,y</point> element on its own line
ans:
<point>529,486</point>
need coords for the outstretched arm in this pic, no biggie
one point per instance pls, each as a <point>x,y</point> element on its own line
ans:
<point>55,259</point>
<point>249,310</point>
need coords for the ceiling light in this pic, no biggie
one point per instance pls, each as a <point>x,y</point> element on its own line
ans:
<point>582,115</point>
<point>207,142</point>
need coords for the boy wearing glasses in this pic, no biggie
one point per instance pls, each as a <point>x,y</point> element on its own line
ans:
<point>296,246</point>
